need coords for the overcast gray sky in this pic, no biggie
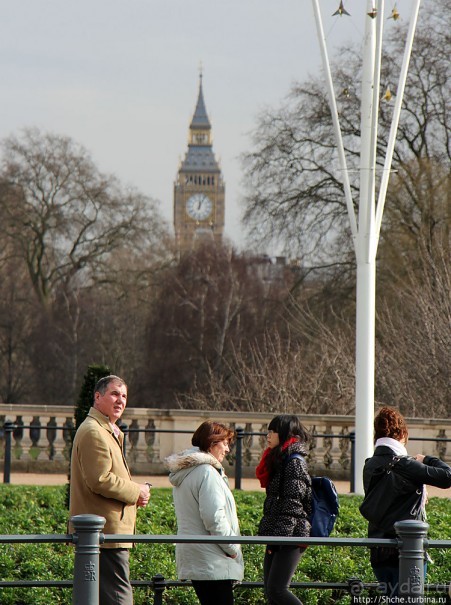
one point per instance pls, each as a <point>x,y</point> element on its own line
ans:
<point>121,76</point>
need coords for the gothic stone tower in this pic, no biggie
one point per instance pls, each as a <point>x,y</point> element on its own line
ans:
<point>199,190</point>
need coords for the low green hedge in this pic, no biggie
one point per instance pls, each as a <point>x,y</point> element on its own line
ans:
<point>41,510</point>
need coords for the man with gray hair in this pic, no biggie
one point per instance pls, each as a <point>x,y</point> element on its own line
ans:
<point>101,484</point>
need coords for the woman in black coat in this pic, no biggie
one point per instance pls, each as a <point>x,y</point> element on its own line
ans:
<point>288,505</point>
<point>390,437</point>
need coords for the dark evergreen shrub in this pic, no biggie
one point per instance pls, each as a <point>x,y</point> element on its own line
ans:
<point>86,397</point>
<point>85,400</point>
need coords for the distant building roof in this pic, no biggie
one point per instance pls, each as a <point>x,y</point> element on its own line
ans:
<point>200,118</point>
<point>200,156</point>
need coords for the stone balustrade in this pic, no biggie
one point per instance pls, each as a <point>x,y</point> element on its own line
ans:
<point>45,446</point>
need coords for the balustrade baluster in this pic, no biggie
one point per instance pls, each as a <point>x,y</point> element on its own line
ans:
<point>51,436</point>
<point>135,448</point>
<point>153,441</point>
<point>22,441</point>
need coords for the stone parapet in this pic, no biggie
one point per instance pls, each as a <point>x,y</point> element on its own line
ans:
<point>42,440</point>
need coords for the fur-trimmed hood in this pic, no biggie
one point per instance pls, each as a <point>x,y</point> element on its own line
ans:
<point>182,464</point>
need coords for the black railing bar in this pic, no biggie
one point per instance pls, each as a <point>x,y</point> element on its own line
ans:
<point>277,540</point>
<point>180,539</point>
<point>37,584</point>
<point>173,584</point>
<point>42,427</point>
<point>37,427</point>
<point>340,585</point>
<point>437,544</point>
<point>241,433</point>
<point>190,432</point>
<point>36,538</point>
<point>241,586</point>
<point>192,539</point>
<point>178,431</point>
<point>429,439</point>
<point>180,583</point>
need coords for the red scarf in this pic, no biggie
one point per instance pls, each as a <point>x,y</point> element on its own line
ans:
<point>262,470</point>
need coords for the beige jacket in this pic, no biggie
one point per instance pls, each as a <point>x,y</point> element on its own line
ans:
<point>100,479</point>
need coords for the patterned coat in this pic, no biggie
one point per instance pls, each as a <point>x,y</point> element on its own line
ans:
<point>288,502</point>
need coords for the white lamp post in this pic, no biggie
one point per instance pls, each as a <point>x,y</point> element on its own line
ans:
<point>365,233</point>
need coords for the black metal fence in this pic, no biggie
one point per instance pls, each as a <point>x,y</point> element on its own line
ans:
<point>87,538</point>
<point>9,428</point>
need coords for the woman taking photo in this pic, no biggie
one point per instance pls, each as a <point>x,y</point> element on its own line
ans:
<point>204,505</point>
<point>411,474</point>
<point>287,506</point>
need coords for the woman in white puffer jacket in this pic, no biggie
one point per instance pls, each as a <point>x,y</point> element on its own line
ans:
<point>204,505</point>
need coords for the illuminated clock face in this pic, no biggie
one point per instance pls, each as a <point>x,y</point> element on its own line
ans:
<point>199,206</point>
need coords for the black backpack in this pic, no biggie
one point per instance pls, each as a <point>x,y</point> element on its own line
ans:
<point>325,504</point>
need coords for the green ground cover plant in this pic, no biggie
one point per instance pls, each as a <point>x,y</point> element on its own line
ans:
<point>42,510</point>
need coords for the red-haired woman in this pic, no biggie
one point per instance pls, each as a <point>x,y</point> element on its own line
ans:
<point>204,505</point>
<point>390,438</point>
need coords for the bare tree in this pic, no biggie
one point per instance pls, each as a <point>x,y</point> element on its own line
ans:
<point>309,369</point>
<point>18,313</point>
<point>103,323</point>
<point>309,366</point>
<point>295,197</point>
<point>414,340</point>
<point>294,185</point>
<point>64,217</point>
<point>88,250</point>
<point>418,217</point>
<point>210,303</point>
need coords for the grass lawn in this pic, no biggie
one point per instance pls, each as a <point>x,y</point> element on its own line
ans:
<point>41,510</point>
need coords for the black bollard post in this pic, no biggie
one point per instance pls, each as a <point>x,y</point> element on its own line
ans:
<point>87,541</point>
<point>239,457</point>
<point>412,535</point>
<point>158,588</point>
<point>352,440</point>
<point>8,427</point>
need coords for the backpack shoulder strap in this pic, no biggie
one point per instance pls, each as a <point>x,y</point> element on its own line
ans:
<point>285,461</point>
<point>292,456</point>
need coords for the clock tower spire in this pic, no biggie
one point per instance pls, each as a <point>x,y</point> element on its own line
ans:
<point>199,189</point>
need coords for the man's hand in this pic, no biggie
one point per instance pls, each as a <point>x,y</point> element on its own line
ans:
<point>144,494</point>
<point>419,457</point>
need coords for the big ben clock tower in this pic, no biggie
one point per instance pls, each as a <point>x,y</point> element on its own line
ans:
<point>199,188</point>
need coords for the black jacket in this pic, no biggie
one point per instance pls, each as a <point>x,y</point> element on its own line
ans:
<point>432,471</point>
<point>288,502</point>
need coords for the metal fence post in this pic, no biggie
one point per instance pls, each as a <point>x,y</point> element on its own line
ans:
<point>87,540</point>
<point>124,429</point>
<point>352,481</point>
<point>239,457</point>
<point>158,588</point>
<point>412,535</point>
<point>8,427</point>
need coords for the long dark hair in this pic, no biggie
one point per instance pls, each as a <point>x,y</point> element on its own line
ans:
<point>286,426</point>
